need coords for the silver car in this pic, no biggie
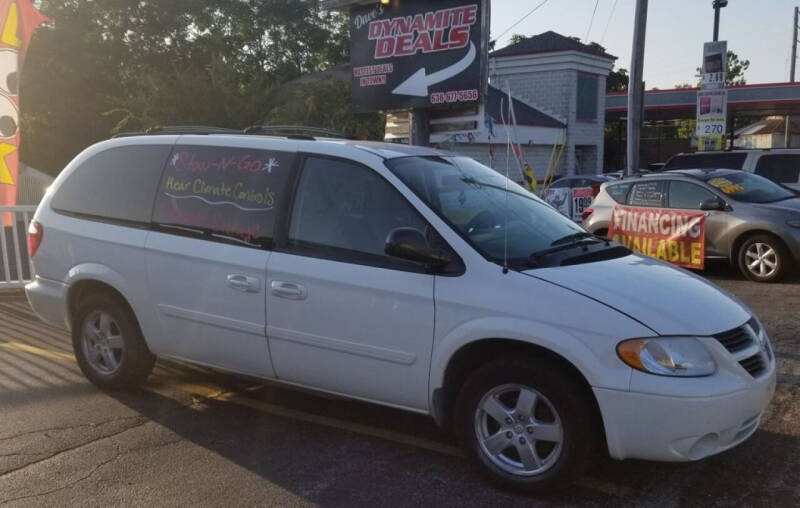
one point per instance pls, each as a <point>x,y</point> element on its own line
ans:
<point>751,221</point>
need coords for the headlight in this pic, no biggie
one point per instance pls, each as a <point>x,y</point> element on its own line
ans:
<point>668,356</point>
<point>793,223</point>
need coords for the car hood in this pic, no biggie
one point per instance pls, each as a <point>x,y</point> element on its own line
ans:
<point>787,205</point>
<point>666,299</point>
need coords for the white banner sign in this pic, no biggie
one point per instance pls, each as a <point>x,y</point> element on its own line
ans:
<point>712,112</point>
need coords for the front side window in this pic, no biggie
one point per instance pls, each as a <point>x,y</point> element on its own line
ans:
<point>687,195</point>
<point>223,193</point>
<point>648,193</point>
<point>344,211</point>
<point>118,184</point>
<point>492,213</point>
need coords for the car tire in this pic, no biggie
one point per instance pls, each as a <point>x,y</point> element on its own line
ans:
<point>563,418</point>
<point>108,343</point>
<point>763,258</point>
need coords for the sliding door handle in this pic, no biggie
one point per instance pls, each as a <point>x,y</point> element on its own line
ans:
<point>244,283</point>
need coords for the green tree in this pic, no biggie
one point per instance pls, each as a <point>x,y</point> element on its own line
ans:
<point>617,81</point>
<point>516,39</point>
<point>105,66</point>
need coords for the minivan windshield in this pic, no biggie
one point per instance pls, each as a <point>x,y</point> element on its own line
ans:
<point>749,188</point>
<point>473,199</point>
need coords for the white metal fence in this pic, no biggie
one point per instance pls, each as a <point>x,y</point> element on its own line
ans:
<point>15,263</point>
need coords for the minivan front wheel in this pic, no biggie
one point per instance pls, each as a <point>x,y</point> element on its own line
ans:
<point>526,427</point>
<point>108,344</point>
<point>763,258</point>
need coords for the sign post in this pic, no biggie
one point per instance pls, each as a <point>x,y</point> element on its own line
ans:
<point>418,55</point>
<point>712,99</point>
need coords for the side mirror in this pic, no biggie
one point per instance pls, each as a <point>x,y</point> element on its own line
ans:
<point>410,244</point>
<point>713,204</point>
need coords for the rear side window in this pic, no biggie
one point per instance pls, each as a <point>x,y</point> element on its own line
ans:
<point>728,160</point>
<point>649,194</point>
<point>619,192</point>
<point>780,168</point>
<point>119,184</point>
<point>223,193</point>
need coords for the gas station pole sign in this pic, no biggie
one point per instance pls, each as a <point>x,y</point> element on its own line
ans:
<point>712,99</point>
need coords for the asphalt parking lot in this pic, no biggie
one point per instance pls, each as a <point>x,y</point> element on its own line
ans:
<point>202,438</point>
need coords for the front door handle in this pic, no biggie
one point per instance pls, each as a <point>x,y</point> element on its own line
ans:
<point>244,283</point>
<point>289,290</point>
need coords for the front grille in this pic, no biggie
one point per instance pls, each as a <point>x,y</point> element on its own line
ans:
<point>755,364</point>
<point>736,339</point>
<point>741,338</point>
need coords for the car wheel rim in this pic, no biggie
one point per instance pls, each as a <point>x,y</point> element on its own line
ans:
<point>102,342</point>
<point>761,259</point>
<point>519,430</point>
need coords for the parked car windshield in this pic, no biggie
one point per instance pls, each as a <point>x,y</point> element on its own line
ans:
<point>749,188</point>
<point>473,199</point>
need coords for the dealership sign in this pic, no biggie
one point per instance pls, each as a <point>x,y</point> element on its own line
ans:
<point>669,235</point>
<point>417,54</point>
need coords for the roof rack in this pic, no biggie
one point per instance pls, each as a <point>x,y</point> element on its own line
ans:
<point>292,131</point>
<point>287,131</point>
<point>179,129</point>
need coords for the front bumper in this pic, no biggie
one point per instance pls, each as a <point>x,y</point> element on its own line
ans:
<point>676,428</point>
<point>48,299</point>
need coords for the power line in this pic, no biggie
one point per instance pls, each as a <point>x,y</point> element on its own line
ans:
<point>613,8</point>
<point>591,21</point>
<point>521,20</point>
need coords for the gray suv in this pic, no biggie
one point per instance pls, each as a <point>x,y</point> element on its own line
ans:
<point>751,221</point>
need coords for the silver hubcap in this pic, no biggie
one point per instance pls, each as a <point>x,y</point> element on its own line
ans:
<point>519,430</point>
<point>761,259</point>
<point>102,342</point>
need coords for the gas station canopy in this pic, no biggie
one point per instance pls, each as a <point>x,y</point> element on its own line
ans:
<point>681,103</point>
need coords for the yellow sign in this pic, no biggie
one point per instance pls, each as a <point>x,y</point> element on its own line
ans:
<point>11,29</point>
<point>5,171</point>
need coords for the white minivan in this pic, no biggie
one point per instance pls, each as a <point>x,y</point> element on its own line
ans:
<point>399,275</point>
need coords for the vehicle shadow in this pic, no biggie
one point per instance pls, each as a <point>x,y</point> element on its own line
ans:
<point>336,467</point>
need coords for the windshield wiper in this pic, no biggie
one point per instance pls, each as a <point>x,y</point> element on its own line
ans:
<point>572,241</point>
<point>573,238</point>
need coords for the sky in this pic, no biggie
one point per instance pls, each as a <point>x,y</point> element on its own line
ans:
<point>758,30</point>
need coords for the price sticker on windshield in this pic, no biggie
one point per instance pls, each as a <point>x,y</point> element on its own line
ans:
<point>726,185</point>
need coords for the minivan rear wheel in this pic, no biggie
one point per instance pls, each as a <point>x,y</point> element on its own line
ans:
<point>525,426</point>
<point>108,343</point>
<point>763,258</point>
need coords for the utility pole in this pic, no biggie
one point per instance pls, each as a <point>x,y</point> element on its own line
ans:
<point>717,4</point>
<point>420,128</point>
<point>635,89</point>
<point>787,134</point>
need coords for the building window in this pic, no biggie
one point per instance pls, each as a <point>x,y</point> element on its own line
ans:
<point>587,97</point>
